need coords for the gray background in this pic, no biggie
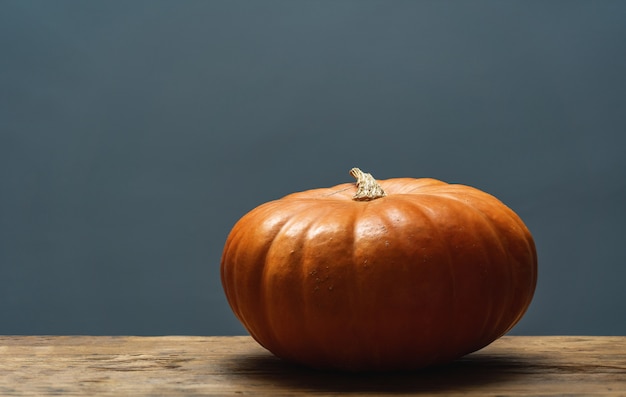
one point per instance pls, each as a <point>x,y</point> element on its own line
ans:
<point>133,134</point>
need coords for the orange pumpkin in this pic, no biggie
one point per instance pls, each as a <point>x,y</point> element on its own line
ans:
<point>379,275</point>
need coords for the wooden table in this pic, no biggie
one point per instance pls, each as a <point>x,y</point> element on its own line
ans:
<point>223,366</point>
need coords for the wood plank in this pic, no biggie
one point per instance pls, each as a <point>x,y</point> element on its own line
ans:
<point>223,366</point>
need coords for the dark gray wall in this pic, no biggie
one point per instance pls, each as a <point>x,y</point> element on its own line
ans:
<point>134,134</point>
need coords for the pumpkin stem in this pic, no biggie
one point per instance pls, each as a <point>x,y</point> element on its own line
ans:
<point>367,187</point>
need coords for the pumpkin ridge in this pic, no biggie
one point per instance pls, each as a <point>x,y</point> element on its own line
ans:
<point>491,316</point>
<point>293,273</point>
<point>229,269</point>
<point>331,281</point>
<point>247,317</point>
<point>428,213</point>
<point>522,233</point>
<point>363,267</point>
<point>500,316</point>
<point>267,286</point>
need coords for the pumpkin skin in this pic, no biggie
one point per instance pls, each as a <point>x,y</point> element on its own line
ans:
<point>422,276</point>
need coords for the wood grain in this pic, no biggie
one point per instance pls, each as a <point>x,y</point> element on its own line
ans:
<point>226,366</point>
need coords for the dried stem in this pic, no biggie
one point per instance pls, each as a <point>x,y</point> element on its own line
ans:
<point>367,187</point>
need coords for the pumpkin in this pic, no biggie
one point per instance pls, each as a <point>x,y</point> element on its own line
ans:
<point>394,274</point>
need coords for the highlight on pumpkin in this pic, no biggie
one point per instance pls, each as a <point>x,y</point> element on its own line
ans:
<point>367,187</point>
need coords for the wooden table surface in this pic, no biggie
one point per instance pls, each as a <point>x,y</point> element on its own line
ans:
<point>223,366</point>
